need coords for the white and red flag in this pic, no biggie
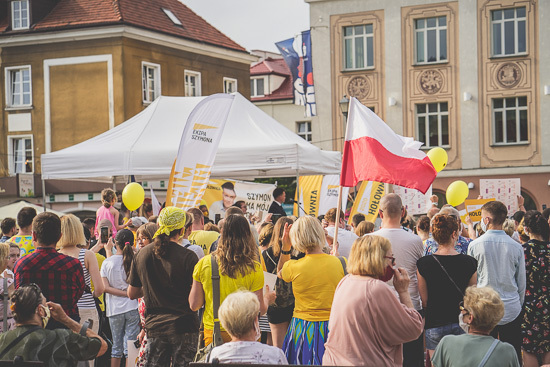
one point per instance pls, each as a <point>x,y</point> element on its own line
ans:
<point>373,152</point>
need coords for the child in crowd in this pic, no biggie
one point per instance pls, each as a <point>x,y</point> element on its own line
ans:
<point>122,312</point>
<point>108,211</point>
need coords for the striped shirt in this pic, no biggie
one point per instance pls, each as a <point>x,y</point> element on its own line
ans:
<point>87,299</point>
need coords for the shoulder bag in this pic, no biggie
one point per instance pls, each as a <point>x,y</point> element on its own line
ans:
<point>202,351</point>
<point>489,352</point>
<point>448,276</point>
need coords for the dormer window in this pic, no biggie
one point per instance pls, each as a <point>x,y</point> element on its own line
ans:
<point>172,16</point>
<point>20,14</point>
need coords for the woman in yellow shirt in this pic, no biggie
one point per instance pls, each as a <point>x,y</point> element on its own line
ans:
<point>314,279</point>
<point>238,262</point>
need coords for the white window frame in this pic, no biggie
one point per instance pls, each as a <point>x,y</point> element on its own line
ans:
<point>426,116</point>
<point>172,16</point>
<point>364,36</point>
<point>8,73</point>
<point>502,32</point>
<point>21,16</point>
<point>305,134</point>
<point>425,30</point>
<point>145,81</point>
<point>229,80</point>
<point>11,158</point>
<point>505,111</point>
<point>198,83</point>
<point>254,89</point>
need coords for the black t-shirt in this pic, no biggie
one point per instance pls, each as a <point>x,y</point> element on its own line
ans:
<point>443,297</point>
<point>166,285</point>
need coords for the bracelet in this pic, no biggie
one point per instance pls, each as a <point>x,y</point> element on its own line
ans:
<point>286,252</point>
<point>87,324</point>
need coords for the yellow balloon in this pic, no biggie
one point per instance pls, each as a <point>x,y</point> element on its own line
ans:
<point>457,192</point>
<point>438,157</point>
<point>133,196</point>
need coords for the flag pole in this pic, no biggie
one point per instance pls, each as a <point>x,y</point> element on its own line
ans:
<point>337,223</point>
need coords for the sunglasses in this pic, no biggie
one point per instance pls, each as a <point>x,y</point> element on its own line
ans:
<point>461,306</point>
<point>392,259</point>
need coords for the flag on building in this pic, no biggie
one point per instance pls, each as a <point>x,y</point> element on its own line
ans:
<point>198,147</point>
<point>373,152</point>
<point>297,54</point>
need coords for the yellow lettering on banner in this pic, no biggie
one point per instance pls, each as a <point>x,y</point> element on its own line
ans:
<point>473,207</point>
<point>186,186</point>
<point>203,127</point>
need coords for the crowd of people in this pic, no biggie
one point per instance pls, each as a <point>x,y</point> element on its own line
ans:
<point>431,291</point>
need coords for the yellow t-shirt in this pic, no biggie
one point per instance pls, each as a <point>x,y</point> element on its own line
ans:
<point>314,279</point>
<point>204,239</point>
<point>100,258</point>
<point>24,243</point>
<point>253,281</point>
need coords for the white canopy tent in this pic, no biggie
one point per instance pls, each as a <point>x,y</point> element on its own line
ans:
<point>253,145</point>
<point>11,210</point>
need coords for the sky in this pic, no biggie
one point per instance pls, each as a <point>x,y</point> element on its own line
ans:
<point>254,24</point>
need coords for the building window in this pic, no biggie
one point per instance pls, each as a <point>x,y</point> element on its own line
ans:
<point>510,120</point>
<point>20,14</point>
<point>150,74</point>
<point>358,47</point>
<point>508,31</point>
<point>432,122</point>
<point>20,154</point>
<point>257,87</point>
<point>229,85</point>
<point>431,39</point>
<point>18,86</point>
<point>304,130</point>
<point>192,83</point>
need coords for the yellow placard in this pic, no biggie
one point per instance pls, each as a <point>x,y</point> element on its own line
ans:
<point>473,208</point>
<point>367,201</point>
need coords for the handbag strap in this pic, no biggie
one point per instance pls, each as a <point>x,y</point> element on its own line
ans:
<point>341,258</point>
<point>17,340</point>
<point>5,310</point>
<point>448,276</point>
<point>489,352</point>
<point>217,334</point>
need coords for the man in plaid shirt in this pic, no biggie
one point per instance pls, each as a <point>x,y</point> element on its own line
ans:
<point>60,277</point>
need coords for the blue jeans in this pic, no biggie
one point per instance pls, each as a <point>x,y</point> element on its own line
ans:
<point>124,327</point>
<point>434,335</point>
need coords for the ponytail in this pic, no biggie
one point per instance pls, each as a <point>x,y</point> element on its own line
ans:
<point>124,241</point>
<point>161,243</point>
<point>536,224</point>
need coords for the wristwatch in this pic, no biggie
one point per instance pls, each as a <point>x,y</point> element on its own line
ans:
<point>87,324</point>
<point>286,252</point>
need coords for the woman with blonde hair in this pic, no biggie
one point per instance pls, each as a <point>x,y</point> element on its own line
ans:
<point>239,268</point>
<point>72,238</point>
<point>314,279</point>
<point>481,312</point>
<point>363,228</point>
<point>239,316</point>
<point>6,279</point>
<point>368,324</point>
<point>280,313</point>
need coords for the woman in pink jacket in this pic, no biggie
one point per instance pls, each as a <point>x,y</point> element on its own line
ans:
<point>368,323</point>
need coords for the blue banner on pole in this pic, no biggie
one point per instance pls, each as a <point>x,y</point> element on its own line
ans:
<point>307,79</point>
<point>292,59</point>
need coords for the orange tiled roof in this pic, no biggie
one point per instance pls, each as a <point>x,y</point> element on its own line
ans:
<point>278,67</point>
<point>146,14</point>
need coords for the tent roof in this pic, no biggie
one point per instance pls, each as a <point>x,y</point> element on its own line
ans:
<point>11,210</point>
<point>253,145</point>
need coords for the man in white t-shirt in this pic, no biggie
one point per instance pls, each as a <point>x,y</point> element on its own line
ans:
<point>184,241</point>
<point>345,237</point>
<point>407,249</point>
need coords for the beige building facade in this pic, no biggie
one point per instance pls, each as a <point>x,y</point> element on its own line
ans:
<point>468,75</point>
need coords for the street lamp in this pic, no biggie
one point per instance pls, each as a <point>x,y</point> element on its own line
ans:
<point>344,107</point>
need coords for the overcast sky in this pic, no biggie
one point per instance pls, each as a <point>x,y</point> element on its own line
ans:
<point>254,24</point>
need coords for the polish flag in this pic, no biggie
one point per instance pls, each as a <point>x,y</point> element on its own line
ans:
<point>373,152</point>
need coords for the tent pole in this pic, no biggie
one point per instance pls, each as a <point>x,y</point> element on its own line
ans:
<point>43,192</point>
<point>298,190</point>
<point>114,183</point>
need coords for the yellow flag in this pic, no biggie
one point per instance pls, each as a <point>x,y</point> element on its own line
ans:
<point>367,201</point>
<point>310,190</point>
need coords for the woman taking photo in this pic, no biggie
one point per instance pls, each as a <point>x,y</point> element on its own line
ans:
<point>314,279</point>
<point>535,327</point>
<point>239,268</point>
<point>481,312</point>
<point>442,280</point>
<point>280,313</point>
<point>72,238</point>
<point>368,324</point>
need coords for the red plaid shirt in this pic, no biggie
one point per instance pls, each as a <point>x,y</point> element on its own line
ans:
<point>60,277</point>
